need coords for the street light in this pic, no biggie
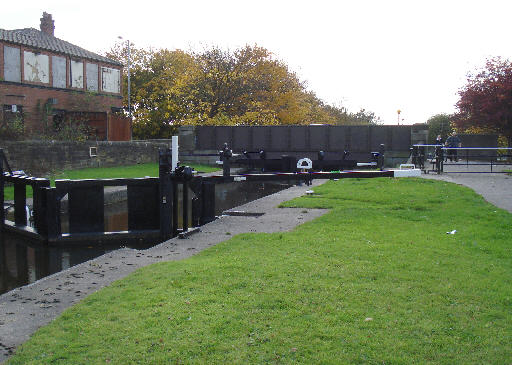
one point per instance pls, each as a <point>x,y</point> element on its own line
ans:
<point>398,111</point>
<point>129,103</point>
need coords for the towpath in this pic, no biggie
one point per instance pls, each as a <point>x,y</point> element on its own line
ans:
<point>24,310</point>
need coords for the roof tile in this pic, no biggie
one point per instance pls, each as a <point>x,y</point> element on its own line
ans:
<point>35,38</point>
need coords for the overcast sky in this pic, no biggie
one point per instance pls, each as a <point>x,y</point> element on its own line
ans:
<point>378,55</point>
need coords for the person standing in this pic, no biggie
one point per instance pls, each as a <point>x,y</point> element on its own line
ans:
<point>453,142</point>
<point>439,147</point>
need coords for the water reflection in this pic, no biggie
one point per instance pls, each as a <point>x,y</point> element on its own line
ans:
<point>23,262</point>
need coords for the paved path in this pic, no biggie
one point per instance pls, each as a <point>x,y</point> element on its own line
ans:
<point>24,310</point>
<point>496,188</point>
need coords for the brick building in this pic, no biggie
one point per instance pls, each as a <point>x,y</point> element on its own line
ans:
<point>45,80</point>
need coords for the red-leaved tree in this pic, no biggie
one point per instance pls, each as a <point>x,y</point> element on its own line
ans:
<point>486,100</point>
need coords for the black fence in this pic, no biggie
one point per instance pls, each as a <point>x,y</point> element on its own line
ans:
<point>462,160</point>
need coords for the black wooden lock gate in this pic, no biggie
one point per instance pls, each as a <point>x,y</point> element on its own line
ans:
<point>153,205</point>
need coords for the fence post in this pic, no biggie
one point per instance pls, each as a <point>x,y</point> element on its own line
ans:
<point>166,193</point>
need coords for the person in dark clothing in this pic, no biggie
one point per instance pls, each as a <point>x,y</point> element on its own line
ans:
<point>439,151</point>
<point>452,143</point>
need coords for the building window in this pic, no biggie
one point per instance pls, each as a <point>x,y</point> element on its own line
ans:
<point>110,80</point>
<point>36,67</point>
<point>59,72</point>
<point>92,76</point>
<point>12,64</point>
<point>77,74</point>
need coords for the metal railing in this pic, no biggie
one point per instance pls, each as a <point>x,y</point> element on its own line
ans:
<point>460,159</point>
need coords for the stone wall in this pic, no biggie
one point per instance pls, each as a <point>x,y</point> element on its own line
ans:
<point>40,158</point>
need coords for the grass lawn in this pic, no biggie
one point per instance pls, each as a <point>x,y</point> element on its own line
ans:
<point>376,280</point>
<point>141,170</point>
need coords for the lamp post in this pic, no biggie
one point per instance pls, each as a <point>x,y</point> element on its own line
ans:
<point>129,103</point>
<point>398,112</point>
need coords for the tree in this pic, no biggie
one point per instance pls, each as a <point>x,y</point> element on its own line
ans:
<point>439,124</point>
<point>486,100</point>
<point>365,117</point>
<point>216,87</point>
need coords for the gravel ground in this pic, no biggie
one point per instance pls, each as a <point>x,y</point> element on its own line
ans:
<point>24,310</point>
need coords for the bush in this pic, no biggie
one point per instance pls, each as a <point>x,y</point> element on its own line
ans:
<point>12,130</point>
<point>67,130</point>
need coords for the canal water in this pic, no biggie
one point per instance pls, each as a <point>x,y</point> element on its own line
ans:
<point>23,261</point>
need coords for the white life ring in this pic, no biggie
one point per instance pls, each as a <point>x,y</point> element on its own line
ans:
<point>305,163</point>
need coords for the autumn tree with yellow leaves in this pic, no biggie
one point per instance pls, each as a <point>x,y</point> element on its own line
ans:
<point>217,87</point>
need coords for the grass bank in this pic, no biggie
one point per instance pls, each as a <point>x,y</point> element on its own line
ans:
<point>141,170</point>
<point>376,280</point>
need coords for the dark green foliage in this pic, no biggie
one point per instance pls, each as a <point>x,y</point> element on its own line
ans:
<point>439,124</point>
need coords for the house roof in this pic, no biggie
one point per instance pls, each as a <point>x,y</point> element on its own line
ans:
<point>35,38</point>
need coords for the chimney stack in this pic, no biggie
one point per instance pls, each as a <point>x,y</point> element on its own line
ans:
<point>47,25</point>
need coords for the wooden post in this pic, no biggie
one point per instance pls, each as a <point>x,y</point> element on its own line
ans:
<point>166,194</point>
